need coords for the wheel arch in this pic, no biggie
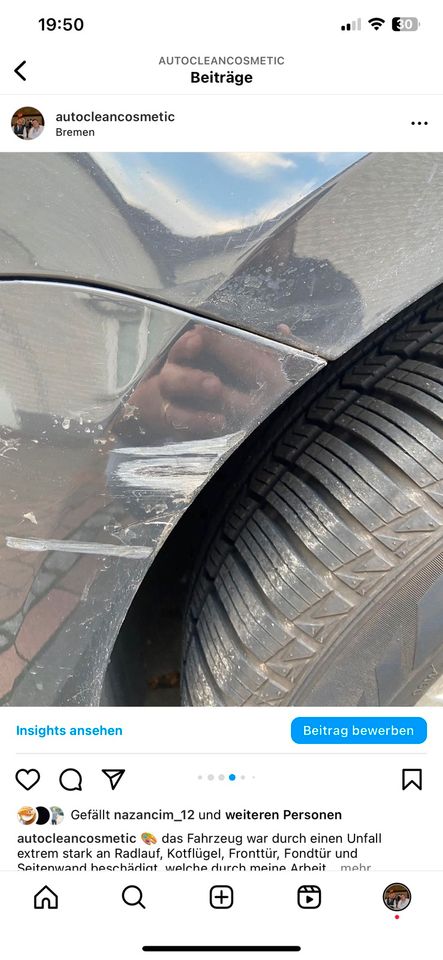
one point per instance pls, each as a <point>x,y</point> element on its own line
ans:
<point>187,543</point>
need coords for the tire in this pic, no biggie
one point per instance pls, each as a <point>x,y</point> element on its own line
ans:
<point>323,583</point>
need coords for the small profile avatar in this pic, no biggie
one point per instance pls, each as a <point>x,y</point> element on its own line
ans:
<point>56,816</point>
<point>27,815</point>
<point>27,123</point>
<point>149,839</point>
<point>397,896</point>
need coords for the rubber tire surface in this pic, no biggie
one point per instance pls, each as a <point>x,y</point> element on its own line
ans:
<point>323,584</point>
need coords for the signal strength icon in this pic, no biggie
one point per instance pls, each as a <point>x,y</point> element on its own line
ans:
<point>376,22</point>
<point>353,25</point>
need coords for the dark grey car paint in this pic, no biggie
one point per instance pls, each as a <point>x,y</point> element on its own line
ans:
<point>90,490</point>
<point>96,468</point>
<point>332,267</point>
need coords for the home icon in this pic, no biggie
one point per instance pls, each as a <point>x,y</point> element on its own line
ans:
<point>46,898</point>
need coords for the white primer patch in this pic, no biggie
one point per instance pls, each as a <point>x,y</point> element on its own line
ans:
<point>76,546</point>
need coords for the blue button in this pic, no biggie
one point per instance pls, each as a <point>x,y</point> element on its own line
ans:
<point>359,730</point>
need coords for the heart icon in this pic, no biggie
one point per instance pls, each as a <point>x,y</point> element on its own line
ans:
<point>27,778</point>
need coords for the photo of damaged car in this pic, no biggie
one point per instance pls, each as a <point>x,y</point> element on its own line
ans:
<point>221,429</point>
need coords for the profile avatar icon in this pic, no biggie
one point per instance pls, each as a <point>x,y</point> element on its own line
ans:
<point>397,896</point>
<point>27,815</point>
<point>38,815</point>
<point>56,816</point>
<point>27,123</point>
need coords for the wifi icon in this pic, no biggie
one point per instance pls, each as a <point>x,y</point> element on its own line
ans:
<point>376,22</point>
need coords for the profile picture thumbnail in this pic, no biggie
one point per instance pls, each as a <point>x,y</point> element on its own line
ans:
<point>40,815</point>
<point>397,896</point>
<point>56,816</point>
<point>27,815</point>
<point>27,123</point>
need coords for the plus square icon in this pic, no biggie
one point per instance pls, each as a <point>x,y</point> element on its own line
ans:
<point>221,898</point>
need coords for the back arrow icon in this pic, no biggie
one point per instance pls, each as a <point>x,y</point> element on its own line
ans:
<point>17,70</point>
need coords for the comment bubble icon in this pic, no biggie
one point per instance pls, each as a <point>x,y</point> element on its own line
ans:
<point>70,779</point>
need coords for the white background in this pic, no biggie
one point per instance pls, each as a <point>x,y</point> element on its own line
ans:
<point>337,91</point>
<point>165,752</point>
<point>356,91</point>
<point>119,49</point>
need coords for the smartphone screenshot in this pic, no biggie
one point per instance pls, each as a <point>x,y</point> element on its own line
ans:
<point>221,480</point>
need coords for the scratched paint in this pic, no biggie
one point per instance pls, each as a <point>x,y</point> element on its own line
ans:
<point>76,546</point>
<point>103,455</point>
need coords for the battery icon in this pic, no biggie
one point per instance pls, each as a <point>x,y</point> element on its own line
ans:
<point>407,24</point>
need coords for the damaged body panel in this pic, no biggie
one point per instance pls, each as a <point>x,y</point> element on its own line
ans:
<point>115,411</point>
<point>313,250</point>
<point>154,310</point>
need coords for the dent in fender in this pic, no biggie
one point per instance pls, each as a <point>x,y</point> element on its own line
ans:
<point>115,411</point>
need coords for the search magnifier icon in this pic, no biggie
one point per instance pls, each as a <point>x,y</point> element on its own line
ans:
<point>133,897</point>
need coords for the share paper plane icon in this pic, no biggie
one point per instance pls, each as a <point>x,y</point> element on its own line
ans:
<point>114,777</point>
